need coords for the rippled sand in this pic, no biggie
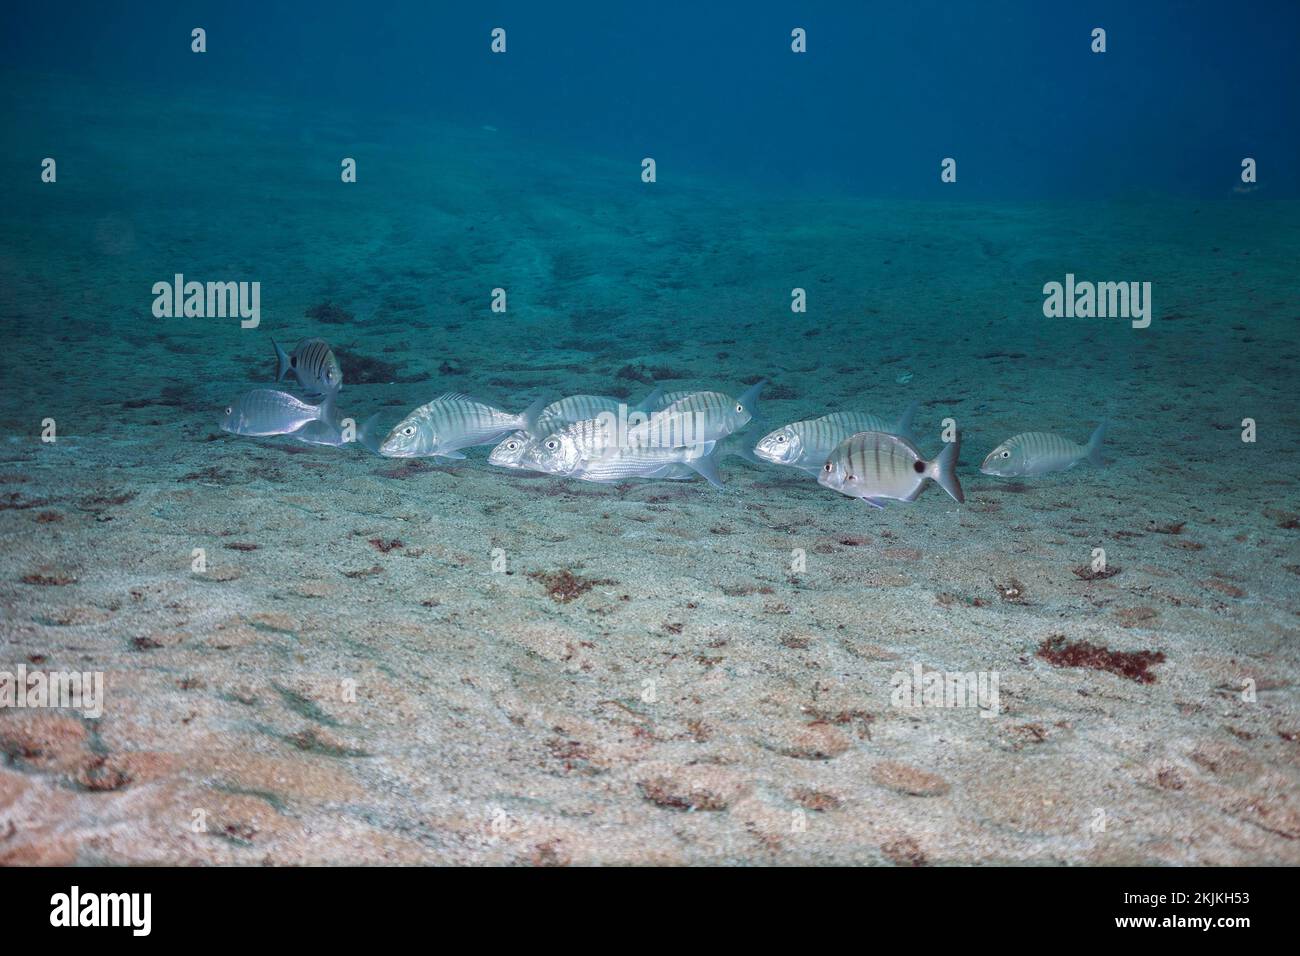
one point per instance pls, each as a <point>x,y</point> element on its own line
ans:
<point>649,681</point>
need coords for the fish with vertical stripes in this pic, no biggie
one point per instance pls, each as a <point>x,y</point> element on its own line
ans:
<point>560,414</point>
<point>807,444</point>
<point>591,451</point>
<point>313,363</point>
<point>451,422</point>
<point>876,466</point>
<point>696,417</point>
<point>1041,453</point>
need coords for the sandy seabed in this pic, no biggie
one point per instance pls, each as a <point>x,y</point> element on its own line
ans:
<point>651,680</point>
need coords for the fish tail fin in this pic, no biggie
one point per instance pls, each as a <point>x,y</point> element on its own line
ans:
<point>750,399</point>
<point>649,403</point>
<point>944,470</point>
<point>366,434</point>
<point>528,417</point>
<point>1094,446</point>
<point>707,465</point>
<point>904,427</point>
<point>282,360</point>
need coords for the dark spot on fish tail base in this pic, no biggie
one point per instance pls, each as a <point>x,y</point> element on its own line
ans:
<point>918,467</point>
<point>1135,665</point>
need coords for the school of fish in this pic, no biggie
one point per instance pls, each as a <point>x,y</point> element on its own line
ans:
<point>675,436</point>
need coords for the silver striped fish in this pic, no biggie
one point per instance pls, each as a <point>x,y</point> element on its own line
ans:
<point>265,411</point>
<point>876,466</point>
<point>560,414</point>
<point>664,399</point>
<point>590,451</point>
<point>807,444</point>
<point>1041,453</point>
<point>313,363</point>
<point>695,418</point>
<point>593,436</point>
<point>451,422</point>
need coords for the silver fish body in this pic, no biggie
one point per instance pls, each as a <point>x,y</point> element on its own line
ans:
<point>451,422</point>
<point>877,466</point>
<point>807,444</point>
<point>313,363</point>
<point>575,408</point>
<point>591,451</point>
<point>265,411</point>
<point>1041,453</point>
<point>695,418</point>
<point>628,463</point>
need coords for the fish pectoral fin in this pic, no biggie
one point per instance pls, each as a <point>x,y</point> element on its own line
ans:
<point>875,503</point>
<point>706,467</point>
<point>916,492</point>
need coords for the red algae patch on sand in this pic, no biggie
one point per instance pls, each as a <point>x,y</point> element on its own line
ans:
<point>1135,665</point>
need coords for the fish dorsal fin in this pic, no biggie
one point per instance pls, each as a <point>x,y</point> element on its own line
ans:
<point>453,397</point>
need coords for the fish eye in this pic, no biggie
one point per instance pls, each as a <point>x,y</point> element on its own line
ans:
<point>229,409</point>
<point>1005,454</point>
<point>329,375</point>
<point>829,467</point>
<point>552,444</point>
<point>409,430</point>
<point>739,407</point>
<point>512,446</point>
<point>780,439</point>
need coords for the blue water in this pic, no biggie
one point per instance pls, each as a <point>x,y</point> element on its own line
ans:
<point>1011,89</point>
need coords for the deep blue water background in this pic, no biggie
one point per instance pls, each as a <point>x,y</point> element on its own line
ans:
<point>1010,89</point>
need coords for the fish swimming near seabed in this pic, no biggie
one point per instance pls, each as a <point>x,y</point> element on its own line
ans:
<point>265,411</point>
<point>313,363</point>
<point>695,418</point>
<point>451,422</point>
<point>876,466</point>
<point>807,444</point>
<point>1041,453</point>
<point>562,413</point>
<point>590,451</point>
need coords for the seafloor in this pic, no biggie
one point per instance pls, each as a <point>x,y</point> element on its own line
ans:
<point>649,681</point>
